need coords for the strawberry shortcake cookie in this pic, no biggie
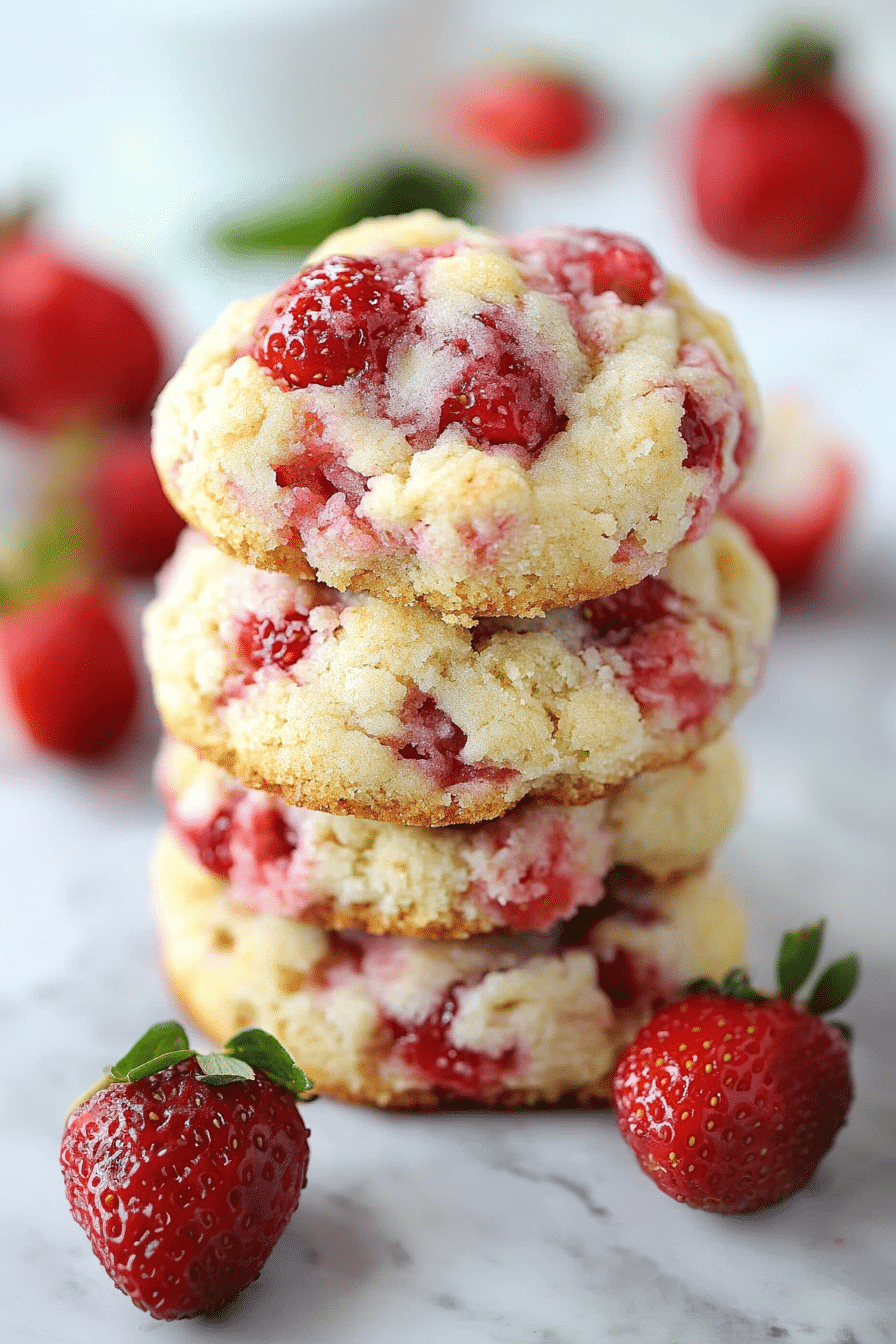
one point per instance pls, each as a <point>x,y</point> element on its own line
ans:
<point>503,1020</point>
<point>487,424</point>
<point>350,704</point>
<point>522,871</point>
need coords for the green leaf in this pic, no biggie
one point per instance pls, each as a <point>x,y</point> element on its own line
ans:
<point>797,957</point>
<point>220,1069</point>
<point>702,985</point>
<point>163,1039</point>
<point>845,1028</point>
<point>835,985</point>
<point>736,985</point>
<point>298,225</point>
<point>263,1051</point>
<point>154,1065</point>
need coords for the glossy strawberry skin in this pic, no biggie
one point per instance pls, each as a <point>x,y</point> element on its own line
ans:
<point>529,113</point>
<point>777,176</point>
<point>730,1105</point>
<point>74,348</point>
<point>331,322</point>
<point>69,673</point>
<point>183,1188</point>
<point>135,528</point>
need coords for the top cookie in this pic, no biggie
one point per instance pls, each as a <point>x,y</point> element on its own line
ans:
<point>489,425</point>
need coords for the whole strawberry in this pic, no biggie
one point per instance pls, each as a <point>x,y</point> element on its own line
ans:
<point>184,1169</point>
<point>532,113</point>
<point>798,492</point>
<point>134,528</point>
<point>730,1098</point>
<point>74,348</point>
<point>67,668</point>
<point>779,167</point>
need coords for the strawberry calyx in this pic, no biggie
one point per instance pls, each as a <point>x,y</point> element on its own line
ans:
<point>800,62</point>
<point>52,551</point>
<point>797,958</point>
<point>165,1044</point>
<point>15,219</point>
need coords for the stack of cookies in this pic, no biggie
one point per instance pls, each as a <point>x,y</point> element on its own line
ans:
<point>448,661</point>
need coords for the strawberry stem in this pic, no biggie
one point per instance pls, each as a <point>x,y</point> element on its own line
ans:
<point>801,61</point>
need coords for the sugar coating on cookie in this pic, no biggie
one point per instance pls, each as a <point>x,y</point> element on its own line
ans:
<point>522,871</point>
<point>503,1020</point>
<point>349,704</point>
<point>490,425</point>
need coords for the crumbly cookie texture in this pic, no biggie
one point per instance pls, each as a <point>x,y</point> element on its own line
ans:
<point>355,705</point>
<point>489,425</point>
<point>501,1020</point>
<point>523,871</point>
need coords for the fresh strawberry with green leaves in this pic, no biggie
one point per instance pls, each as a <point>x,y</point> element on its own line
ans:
<point>532,113</point>
<point>75,348</point>
<point>184,1168</point>
<point>730,1098</point>
<point>779,167</point>
<point>133,526</point>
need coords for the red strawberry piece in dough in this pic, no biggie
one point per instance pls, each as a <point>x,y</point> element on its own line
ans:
<point>335,321</point>
<point>209,841</point>
<point>265,642</point>
<point>135,528</point>
<point>314,477</point>
<point>501,399</point>
<point>432,738</point>
<point>184,1186</point>
<point>779,169</point>
<point>644,623</point>
<point>537,880</point>
<point>527,112</point>
<point>69,672</point>
<point>586,263</point>
<point>426,1047</point>
<point>74,348</point>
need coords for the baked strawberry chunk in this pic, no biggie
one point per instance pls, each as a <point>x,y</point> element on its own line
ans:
<point>208,841</point>
<point>614,618</point>
<point>585,263</point>
<point>263,642</point>
<point>332,322</point>
<point>501,399</point>
<point>539,881</point>
<point>426,1047</point>
<point>660,662</point>
<point>434,740</point>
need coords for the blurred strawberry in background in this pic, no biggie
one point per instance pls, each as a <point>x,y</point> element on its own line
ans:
<point>69,673</point>
<point>779,168</point>
<point>133,527</point>
<point>78,359</point>
<point>75,349</point>
<point>529,112</point>
<point>798,492</point>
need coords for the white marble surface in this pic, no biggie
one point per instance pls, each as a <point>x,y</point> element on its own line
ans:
<point>470,1229</point>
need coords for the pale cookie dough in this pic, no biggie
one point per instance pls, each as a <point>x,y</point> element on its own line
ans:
<point>355,705</point>
<point>525,870</point>
<point>500,1020</point>
<point>627,418</point>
